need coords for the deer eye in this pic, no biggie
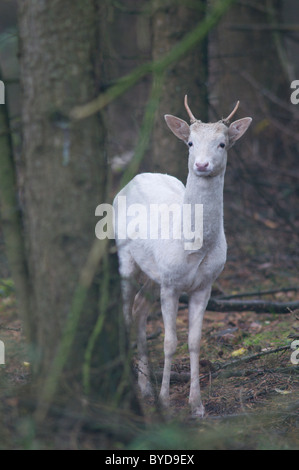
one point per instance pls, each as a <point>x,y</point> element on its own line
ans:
<point>222,145</point>
<point>190,144</point>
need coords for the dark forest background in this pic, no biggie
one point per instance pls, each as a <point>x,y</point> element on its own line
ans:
<point>87,85</point>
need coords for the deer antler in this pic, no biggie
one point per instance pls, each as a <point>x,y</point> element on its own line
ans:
<point>192,118</point>
<point>226,120</point>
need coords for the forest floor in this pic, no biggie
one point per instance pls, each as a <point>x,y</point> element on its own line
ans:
<point>243,380</point>
<point>251,403</point>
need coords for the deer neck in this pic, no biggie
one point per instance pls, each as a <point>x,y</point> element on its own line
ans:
<point>207,191</point>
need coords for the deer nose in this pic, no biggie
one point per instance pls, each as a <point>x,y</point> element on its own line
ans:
<point>202,166</point>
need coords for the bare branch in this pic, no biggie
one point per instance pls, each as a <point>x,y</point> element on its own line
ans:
<point>160,66</point>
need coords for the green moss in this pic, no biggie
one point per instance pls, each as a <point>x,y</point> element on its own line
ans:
<point>268,338</point>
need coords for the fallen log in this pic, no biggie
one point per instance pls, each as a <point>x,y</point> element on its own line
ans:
<point>257,306</point>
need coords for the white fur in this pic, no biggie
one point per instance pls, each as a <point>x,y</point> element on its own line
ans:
<point>167,262</point>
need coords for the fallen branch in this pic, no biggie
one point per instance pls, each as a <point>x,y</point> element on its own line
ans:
<point>6,328</point>
<point>252,357</point>
<point>258,293</point>
<point>257,306</point>
<point>184,377</point>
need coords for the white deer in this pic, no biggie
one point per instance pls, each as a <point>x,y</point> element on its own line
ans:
<point>176,266</point>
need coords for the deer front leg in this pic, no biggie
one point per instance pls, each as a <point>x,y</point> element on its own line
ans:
<point>197,305</point>
<point>169,306</point>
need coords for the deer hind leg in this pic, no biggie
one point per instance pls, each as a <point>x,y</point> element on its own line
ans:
<point>142,308</point>
<point>128,270</point>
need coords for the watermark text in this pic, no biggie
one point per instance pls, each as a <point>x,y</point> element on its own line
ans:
<point>151,222</point>
<point>295,353</point>
<point>2,353</point>
<point>2,92</point>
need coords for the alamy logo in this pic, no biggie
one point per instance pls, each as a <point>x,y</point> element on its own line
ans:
<point>2,353</point>
<point>295,94</point>
<point>295,354</point>
<point>2,93</point>
<point>151,222</point>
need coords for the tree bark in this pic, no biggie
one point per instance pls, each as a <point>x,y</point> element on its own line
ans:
<point>65,178</point>
<point>62,173</point>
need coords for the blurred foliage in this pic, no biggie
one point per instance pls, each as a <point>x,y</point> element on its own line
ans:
<point>7,287</point>
<point>264,431</point>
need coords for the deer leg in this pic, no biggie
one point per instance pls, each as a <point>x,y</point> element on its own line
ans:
<point>169,306</point>
<point>141,309</point>
<point>197,305</point>
<point>128,271</point>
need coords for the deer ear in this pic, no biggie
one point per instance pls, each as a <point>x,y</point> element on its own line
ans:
<point>237,129</point>
<point>179,127</point>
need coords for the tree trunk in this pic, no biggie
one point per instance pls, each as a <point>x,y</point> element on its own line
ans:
<point>125,31</point>
<point>171,22</point>
<point>65,178</point>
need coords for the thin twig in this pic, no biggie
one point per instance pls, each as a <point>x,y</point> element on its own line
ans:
<point>242,360</point>
<point>6,328</point>
<point>269,94</point>
<point>264,27</point>
<point>253,357</point>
